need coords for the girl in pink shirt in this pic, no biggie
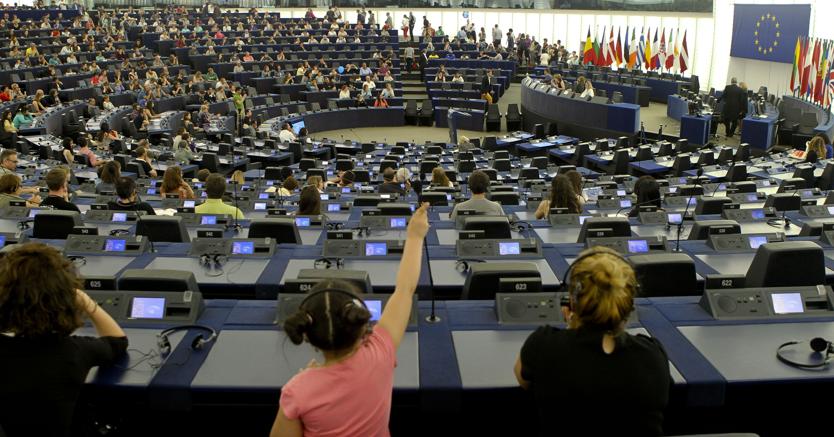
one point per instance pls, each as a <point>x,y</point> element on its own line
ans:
<point>322,400</point>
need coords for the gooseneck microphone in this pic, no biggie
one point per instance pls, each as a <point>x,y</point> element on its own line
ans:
<point>686,210</point>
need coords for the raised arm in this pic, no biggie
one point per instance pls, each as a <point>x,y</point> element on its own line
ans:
<point>398,309</point>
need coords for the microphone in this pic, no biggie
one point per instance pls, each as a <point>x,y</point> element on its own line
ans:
<point>785,220</point>
<point>683,217</point>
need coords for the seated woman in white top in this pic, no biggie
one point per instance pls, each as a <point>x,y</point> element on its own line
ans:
<point>344,93</point>
<point>458,78</point>
<point>589,90</point>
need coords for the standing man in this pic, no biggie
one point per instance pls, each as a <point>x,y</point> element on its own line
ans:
<point>496,36</point>
<point>735,106</point>
<point>409,58</point>
<point>486,87</point>
<point>423,60</point>
<point>411,22</point>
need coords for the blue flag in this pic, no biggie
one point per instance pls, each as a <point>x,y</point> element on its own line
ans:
<point>768,32</point>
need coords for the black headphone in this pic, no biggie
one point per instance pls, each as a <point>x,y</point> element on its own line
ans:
<point>818,345</point>
<point>463,265</point>
<point>572,291</point>
<point>334,226</point>
<point>362,231</point>
<point>355,299</point>
<point>520,226</point>
<point>329,262</point>
<point>213,262</point>
<point>164,344</point>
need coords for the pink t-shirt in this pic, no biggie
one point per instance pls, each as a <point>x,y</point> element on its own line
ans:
<point>352,398</point>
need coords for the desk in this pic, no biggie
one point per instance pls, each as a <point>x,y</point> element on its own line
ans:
<point>484,357</point>
<point>272,360</point>
<point>676,107</point>
<point>696,129</point>
<point>758,132</point>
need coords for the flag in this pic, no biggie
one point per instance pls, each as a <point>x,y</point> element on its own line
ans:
<point>612,50</point>
<point>588,54</point>
<point>671,54</point>
<point>829,85</point>
<point>655,61</point>
<point>602,50</point>
<point>597,53</point>
<point>795,71</point>
<point>646,53</point>
<point>661,52</point>
<point>619,48</point>
<point>812,68</point>
<point>684,59</point>
<point>822,69</point>
<point>806,66</point>
<point>765,31</point>
<point>632,49</point>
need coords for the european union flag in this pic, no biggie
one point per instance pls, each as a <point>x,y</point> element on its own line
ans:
<point>768,32</point>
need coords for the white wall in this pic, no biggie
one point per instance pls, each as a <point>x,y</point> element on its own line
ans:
<point>708,35</point>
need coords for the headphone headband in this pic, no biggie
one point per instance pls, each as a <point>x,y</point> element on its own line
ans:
<point>805,366</point>
<point>592,252</point>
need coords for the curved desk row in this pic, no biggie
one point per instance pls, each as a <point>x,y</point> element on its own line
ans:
<point>578,117</point>
<point>326,120</point>
<point>462,366</point>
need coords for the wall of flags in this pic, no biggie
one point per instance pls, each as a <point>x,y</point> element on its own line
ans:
<point>641,49</point>
<point>812,75</point>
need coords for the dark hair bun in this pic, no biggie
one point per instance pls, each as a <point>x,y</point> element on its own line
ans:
<point>297,325</point>
<point>355,314</point>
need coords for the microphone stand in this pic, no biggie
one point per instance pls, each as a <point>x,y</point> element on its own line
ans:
<point>138,220</point>
<point>683,217</point>
<point>432,317</point>
<point>235,225</point>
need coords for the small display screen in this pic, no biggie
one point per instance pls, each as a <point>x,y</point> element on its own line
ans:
<point>807,193</point>
<point>621,192</point>
<point>302,221</point>
<point>147,308</point>
<point>203,194</point>
<point>765,183</point>
<point>243,247</point>
<point>722,187</point>
<point>119,217</point>
<point>2,240</point>
<point>397,222</point>
<point>787,303</point>
<point>115,245</point>
<point>263,196</point>
<point>509,248</point>
<point>582,219</point>
<point>198,185</point>
<point>673,189</point>
<point>673,218</point>
<point>260,206</point>
<point>693,201</point>
<point>334,207</point>
<point>752,197</point>
<point>324,197</point>
<point>375,308</point>
<point>638,246</point>
<point>208,220</point>
<point>757,214</point>
<point>448,197</point>
<point>151,191</point>
<point>34,212</point>
<point>831,210</point>
<point>757,240</point>
<point>625,203</point>
<point>376,249</point>
<point>346,189</point>
<point>385,196</point>
<point>189,203</point>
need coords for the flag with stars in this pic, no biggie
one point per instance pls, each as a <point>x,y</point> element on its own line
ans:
<point>768,32</point>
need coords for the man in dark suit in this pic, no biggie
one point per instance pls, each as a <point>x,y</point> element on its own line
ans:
<point>423,60</point>
<point>735,106</point>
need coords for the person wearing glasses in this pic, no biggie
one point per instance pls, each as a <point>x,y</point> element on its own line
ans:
<point>8,165</point>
